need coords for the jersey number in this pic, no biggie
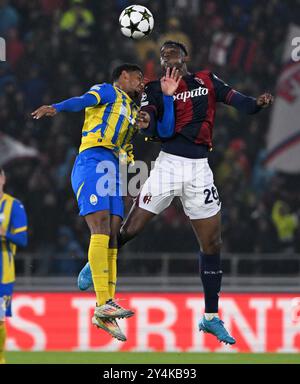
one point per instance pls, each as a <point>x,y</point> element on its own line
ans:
<point>211,193</point>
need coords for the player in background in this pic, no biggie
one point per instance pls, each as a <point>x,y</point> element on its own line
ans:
<point>13,234</point>
<point>110,123</point>
<point>187,144</point>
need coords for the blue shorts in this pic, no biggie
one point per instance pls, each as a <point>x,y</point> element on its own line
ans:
<point>96,182</point>
<point>6,291</point>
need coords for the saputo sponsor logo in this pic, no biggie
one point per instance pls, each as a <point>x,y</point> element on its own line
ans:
<point>201,91</point>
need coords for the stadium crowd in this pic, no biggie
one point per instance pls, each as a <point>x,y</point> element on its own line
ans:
<point>57,49</point>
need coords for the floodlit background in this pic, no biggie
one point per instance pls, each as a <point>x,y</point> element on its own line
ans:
<point>56,49</point>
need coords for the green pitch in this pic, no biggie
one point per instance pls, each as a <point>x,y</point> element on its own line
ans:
<point>149,358</point>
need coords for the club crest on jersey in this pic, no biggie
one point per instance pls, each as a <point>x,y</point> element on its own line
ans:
<point>201,91</point>
<point>200,81</point>
<point>144,100</point>
<point>93,199</point>
<point>147,198</point>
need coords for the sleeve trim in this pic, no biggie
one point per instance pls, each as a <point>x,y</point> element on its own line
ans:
<point>96,95</point>
<point>229,96</point>
<point>21,229</point>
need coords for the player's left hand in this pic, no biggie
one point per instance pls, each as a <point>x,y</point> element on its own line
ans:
<point>143,120</point>
<point>45,110</point>
<point>265,100</point>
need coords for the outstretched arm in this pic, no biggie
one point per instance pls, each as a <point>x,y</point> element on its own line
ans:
<point>74,104</point>
<point>98,94</point>
<point>248,104</point>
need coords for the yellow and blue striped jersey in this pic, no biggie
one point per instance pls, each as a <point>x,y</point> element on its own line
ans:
<point>13,221</point>
<point>110,123</point>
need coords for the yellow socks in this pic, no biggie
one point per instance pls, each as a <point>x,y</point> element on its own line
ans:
<point>2,341</point>
<point>98,259</point>
<point>112,268</point>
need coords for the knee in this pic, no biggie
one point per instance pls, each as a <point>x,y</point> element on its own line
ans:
<point>100,225</point>
<point>212,246</point>
<point>129,230</point>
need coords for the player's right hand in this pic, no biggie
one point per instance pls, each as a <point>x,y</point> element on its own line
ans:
<point>143,120</point>
<point>45,110</point>
<point>265,100</point>
<point>169,83</point>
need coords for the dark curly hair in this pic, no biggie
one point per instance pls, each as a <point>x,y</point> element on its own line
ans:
<point>177,44</point>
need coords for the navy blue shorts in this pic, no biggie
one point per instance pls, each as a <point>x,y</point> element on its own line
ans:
<point>96,182</point>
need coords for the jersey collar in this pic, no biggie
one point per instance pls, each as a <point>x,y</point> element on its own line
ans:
<point>2,198</point>
<point>125,94</point>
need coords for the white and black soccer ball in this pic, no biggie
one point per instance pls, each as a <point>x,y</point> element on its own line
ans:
<point>136,21</point>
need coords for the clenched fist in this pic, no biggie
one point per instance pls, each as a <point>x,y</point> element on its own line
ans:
<point>265,100</point>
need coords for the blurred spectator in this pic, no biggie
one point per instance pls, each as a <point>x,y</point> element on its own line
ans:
<point>78,19</point>
<point>264,231</point>
<point>34,88</point>
<point>175,33</point>
<point>238,147</point>
<point>150,68</point>
<point>50,6</point>
<point>6,76</point>
<point>147,49</point>
<point>286,224</point>
<point>14,47</point>
<point>68,252</point>
<point>261,176</point>
<point>265,238</point>
<point>9,17</point>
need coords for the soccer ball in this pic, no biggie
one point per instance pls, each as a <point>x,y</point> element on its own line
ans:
<point>136,21</point>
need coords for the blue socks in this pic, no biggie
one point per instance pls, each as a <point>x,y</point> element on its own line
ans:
<point>211,276</point>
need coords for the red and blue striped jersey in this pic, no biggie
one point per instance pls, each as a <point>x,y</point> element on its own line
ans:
<point>195,109</point>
